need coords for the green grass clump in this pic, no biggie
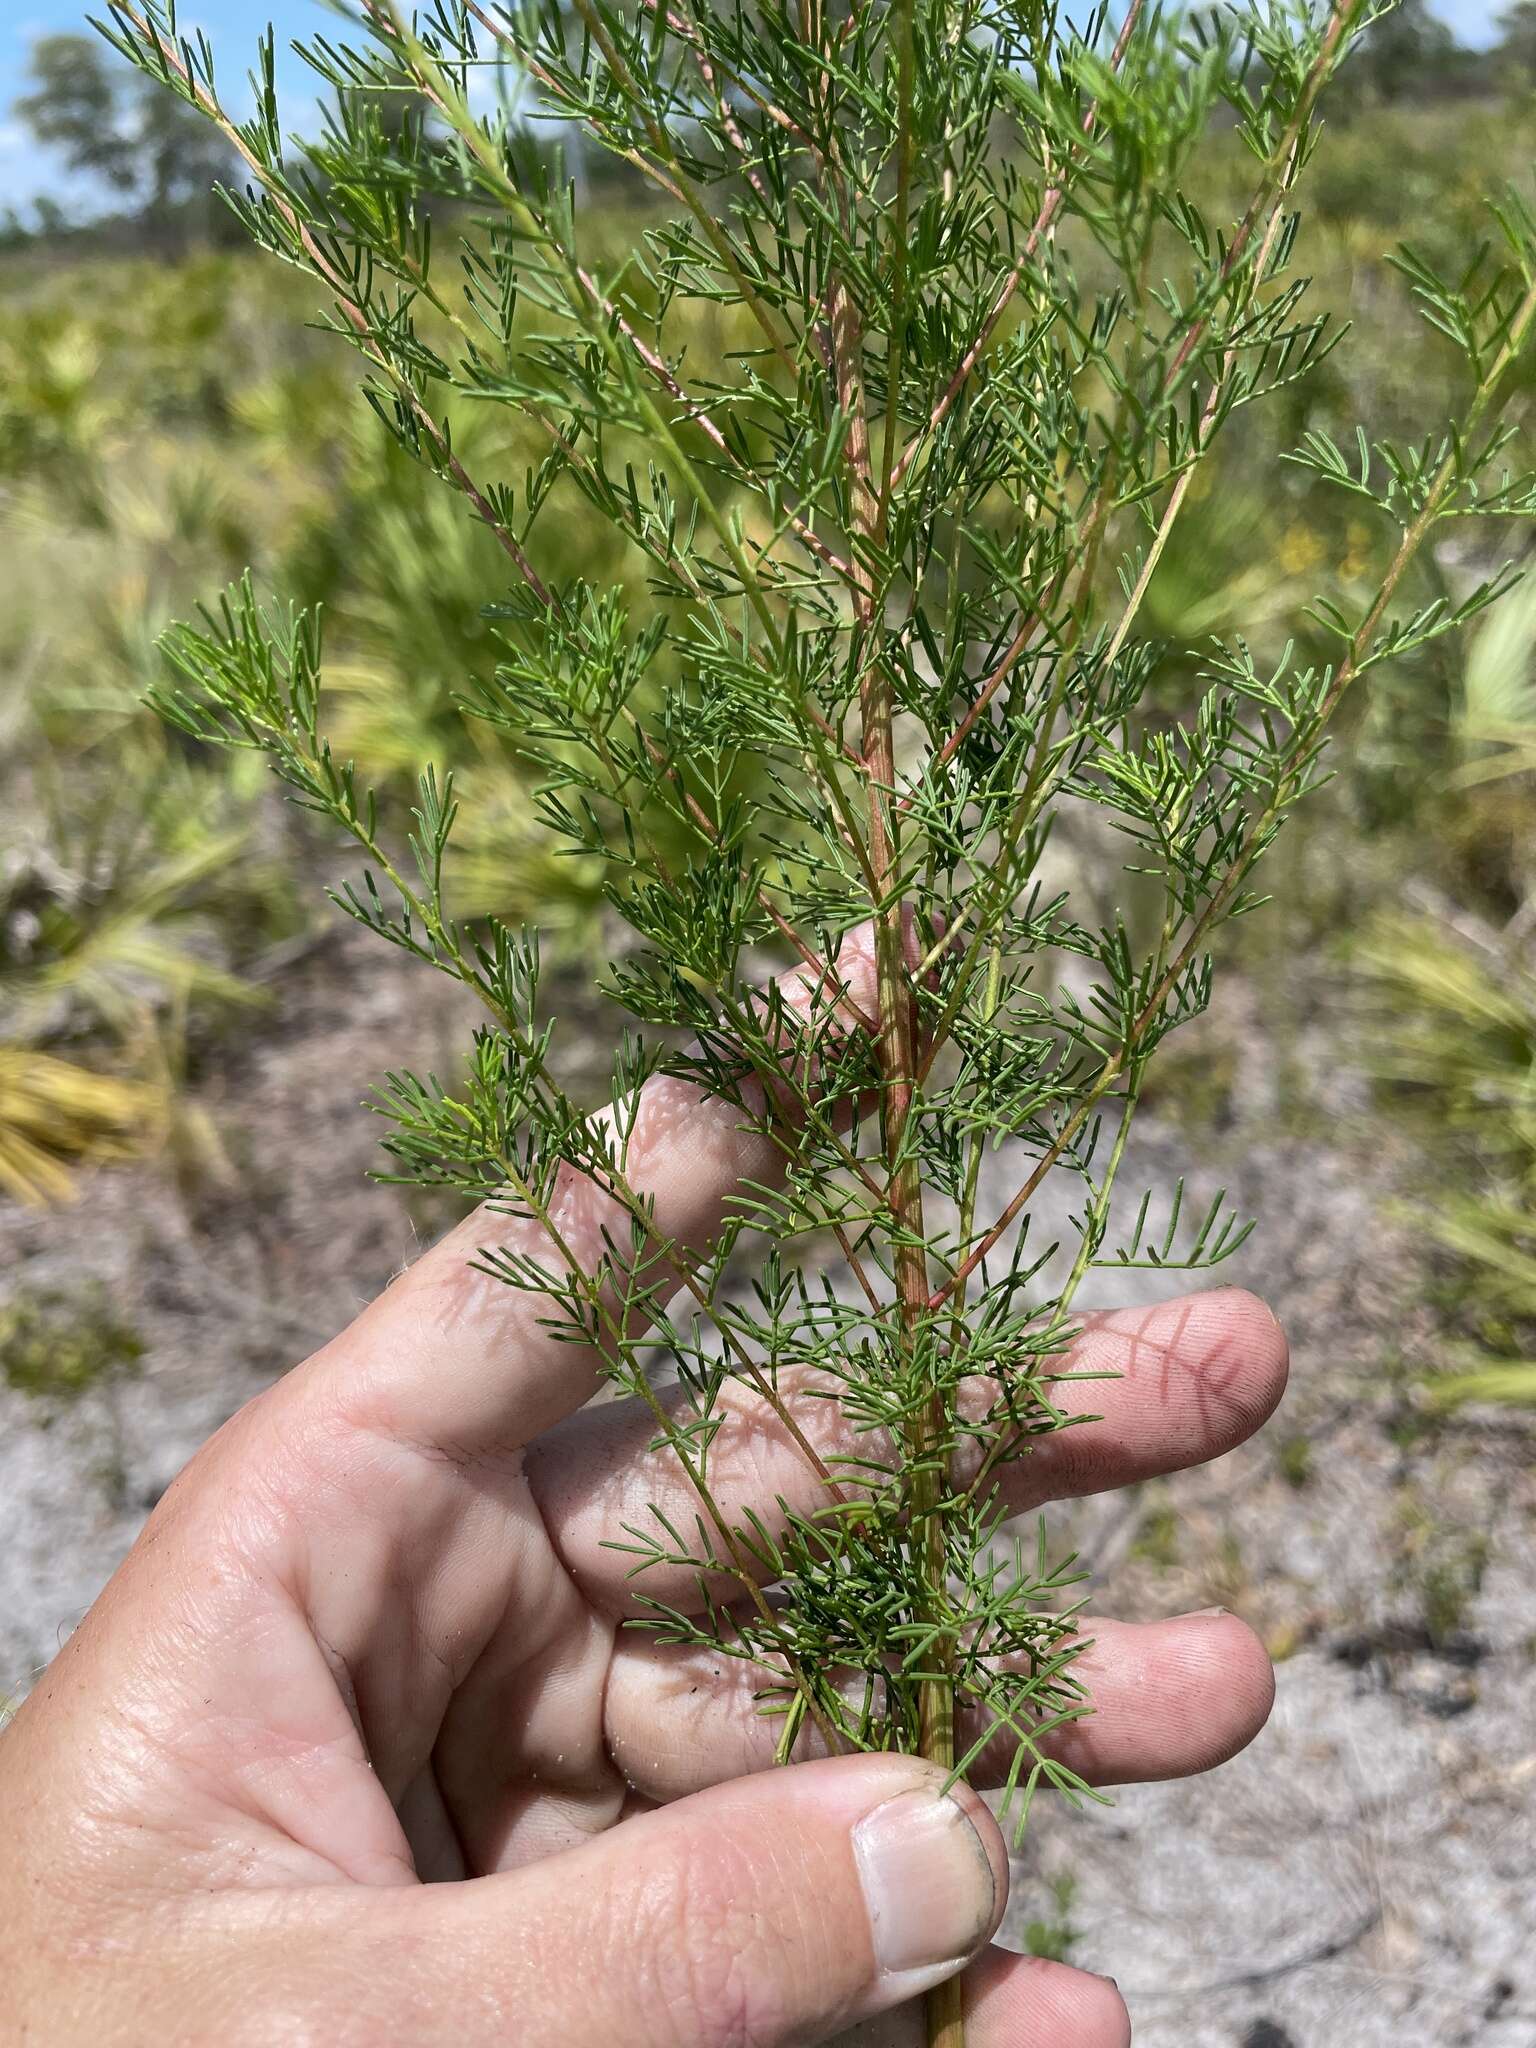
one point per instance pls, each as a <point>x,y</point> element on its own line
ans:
<point>56,1346</point>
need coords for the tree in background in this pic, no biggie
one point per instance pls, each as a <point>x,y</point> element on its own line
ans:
<point>152,154</point>
<point>1516,47</point>
<point>75,108</point>
<point>1410,54</point>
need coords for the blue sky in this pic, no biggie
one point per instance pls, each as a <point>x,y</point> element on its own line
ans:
<point>233,26</point>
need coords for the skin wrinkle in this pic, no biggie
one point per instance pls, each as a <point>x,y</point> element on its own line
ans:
<point>341,1677</point>
<point>613,1749</point>
<point>496,1838</point>
<point>293,1762</point>
<point>293,1604</point>
<point>197,1767</point>
<point>437,1854</point>
<point>254,1860</point>
<point>712,1990</point>
<point>687,1151</point>
<point>362,1483</point>
<point>749,1454</point>
<point>541,1606</point>
<point>1204,1397</point>
<point>1016,1999</point>
<point>565,1787</point>
<point>1146,1676</point>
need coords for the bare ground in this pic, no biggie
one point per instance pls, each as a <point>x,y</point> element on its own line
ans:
<point>1365,1874</point>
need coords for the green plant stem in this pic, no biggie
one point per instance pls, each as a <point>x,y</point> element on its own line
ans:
<point>708,226</point>
<point>1050,206</point>
<point>869,418</point>
<point>1259,830</point>
<point>346,301</point>
<point>928,1431</point>
<point>1279,168</point>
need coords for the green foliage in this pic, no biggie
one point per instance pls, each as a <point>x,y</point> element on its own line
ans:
<point>1440,1564</point>
<point>1294,1456</point>
<point>874,624</point>
<point>1451,1009</point>
<point>134,885</point>
<point>1157,1535</point>
<point>160,428</point>
<point>1053,1936</point>
<point>1456,1016</point>
<point>56,1347</point>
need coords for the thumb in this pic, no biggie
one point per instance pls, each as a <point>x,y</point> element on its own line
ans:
<point>775,1909</point>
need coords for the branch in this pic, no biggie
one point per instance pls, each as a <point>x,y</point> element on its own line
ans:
<point>1283,161</point>
<point>1261,826</point>
<point>1050,206</point>
<point>351,310</point>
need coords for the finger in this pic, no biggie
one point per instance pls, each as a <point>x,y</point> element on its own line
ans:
<point>1192,1379</point>
<point>1189,1380</point>
<point>1015,2002</point>
<point>451,1358</point>
<point>1168,1699</point>
<point>776,1910</point>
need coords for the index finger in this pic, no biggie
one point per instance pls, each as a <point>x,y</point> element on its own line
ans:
<point>451,1358</point>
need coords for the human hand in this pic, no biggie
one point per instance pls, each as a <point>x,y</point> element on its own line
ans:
<point>371,1637</point>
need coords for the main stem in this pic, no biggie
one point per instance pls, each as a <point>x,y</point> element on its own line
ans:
<point>897,1049</point>
<point>929,1429</point>
<point>869,507</point>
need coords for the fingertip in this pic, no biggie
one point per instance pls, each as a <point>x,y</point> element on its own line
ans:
<point>1013,1998</point>
<point>1170,1699</point>
<point>1190,1693</point>
<point>1256,1326</point>
<point>1196,1375</point>
<point>933,1870</point>
<point>1225,1662</point>
<point>779,1908</point>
